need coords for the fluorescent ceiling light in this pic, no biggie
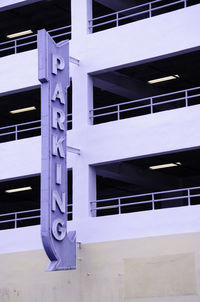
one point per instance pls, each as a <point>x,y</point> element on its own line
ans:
<point>170,165</point>
<point>23,110</point>
<point>18,190</point>
<point>19,34</point>
<point>174,77</point>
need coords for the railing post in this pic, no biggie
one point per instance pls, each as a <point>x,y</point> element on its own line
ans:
<point>150,7</point>
<point>153,202</point>
<point>118,112</point>
<point>117,19</point>
<point>186,98</point>
<point>151,104</point>
<point>91,117</point>
<point>15,46</point>
<point>15,220</point>
<point>93,208</point>
<point>16,136</point>
<point>119,205</point>
<point>189,201</point>
<point>90,26</point>
<point>185,3</point>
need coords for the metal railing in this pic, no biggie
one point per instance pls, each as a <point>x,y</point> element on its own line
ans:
<point>13,132</point>
<point>24,218</point>
<point>20,44</point>
<point>182,98</point>
<point>138,12</point>
<point>147,201</point>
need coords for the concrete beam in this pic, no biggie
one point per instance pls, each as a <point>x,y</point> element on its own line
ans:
<point>124,85</point>
<point>10,4</point>
<point>154,180</point>
<point>117,4</point>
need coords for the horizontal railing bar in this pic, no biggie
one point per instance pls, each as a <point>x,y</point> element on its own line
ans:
<point>122,197</point>
<point>25,38</point>
<point>29,129</point>
<point>15,43</point>
<point>167,5</point>
<point>22,124</point>
<point>145,99</point>
<point>69,116</point>
<point>136,7</point>
<point>172,198</point>
<point>25,44</point>
<point>124,10</point>
<point>141,202</point>
<point>23,218</point>
<point>152,201</point>
<point>195,195</point>
<point>169,101</point>
<point>7,42</point>
<point>152,103</point>
<point>7,133</point>
<point>135,108</point>
<point>102,23</point>
<point>61,35</point>
<point>133,15</point>
<point>104,107</point>
<point>103,114</point>
<point>10,220</point>
<point>60,28</point>
<point>175,92</point>
<point>177,190</point>
<point>4,49</point>
<point>120,18</point>
<point>24,130</point>
<point>26,218</point>
<point>106,207</point>
<point>125,204</point>
<point>146,194</point>
<point>163,0</point>
<point>20,212</point>
<point>175,100</point>
<point>25,212</point>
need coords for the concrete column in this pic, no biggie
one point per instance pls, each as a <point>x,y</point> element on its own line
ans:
<point>84,189</point>
<point>82,98</point>
<point>81,12</point>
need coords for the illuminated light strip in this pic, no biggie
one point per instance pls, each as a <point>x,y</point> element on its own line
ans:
<point>23,110</point>
<point>19,34</point>
<point>18,190</point>
<point>176,76</point>
<point>170,165</point>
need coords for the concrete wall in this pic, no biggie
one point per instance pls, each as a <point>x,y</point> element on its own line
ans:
<point>123,257</point>
<point>158,269</point>
<point>89,229</point>
<point>125,139</point>
<point>147,39</point>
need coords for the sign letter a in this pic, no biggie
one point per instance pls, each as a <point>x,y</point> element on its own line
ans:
<point>58,94</point>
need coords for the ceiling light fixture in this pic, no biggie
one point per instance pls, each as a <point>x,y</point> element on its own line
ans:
<point>174,77</point>
<point>19,34</point>
<point>19,190</point>
<point>170,165</point>
<point>23,110</point>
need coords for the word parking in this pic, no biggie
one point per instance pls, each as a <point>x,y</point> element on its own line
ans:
<point>59,245</point>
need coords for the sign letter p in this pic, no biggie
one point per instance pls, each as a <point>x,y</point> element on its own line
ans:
<point>58,63</point>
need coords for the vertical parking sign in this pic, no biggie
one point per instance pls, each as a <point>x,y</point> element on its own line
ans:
<point>53,64</point>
